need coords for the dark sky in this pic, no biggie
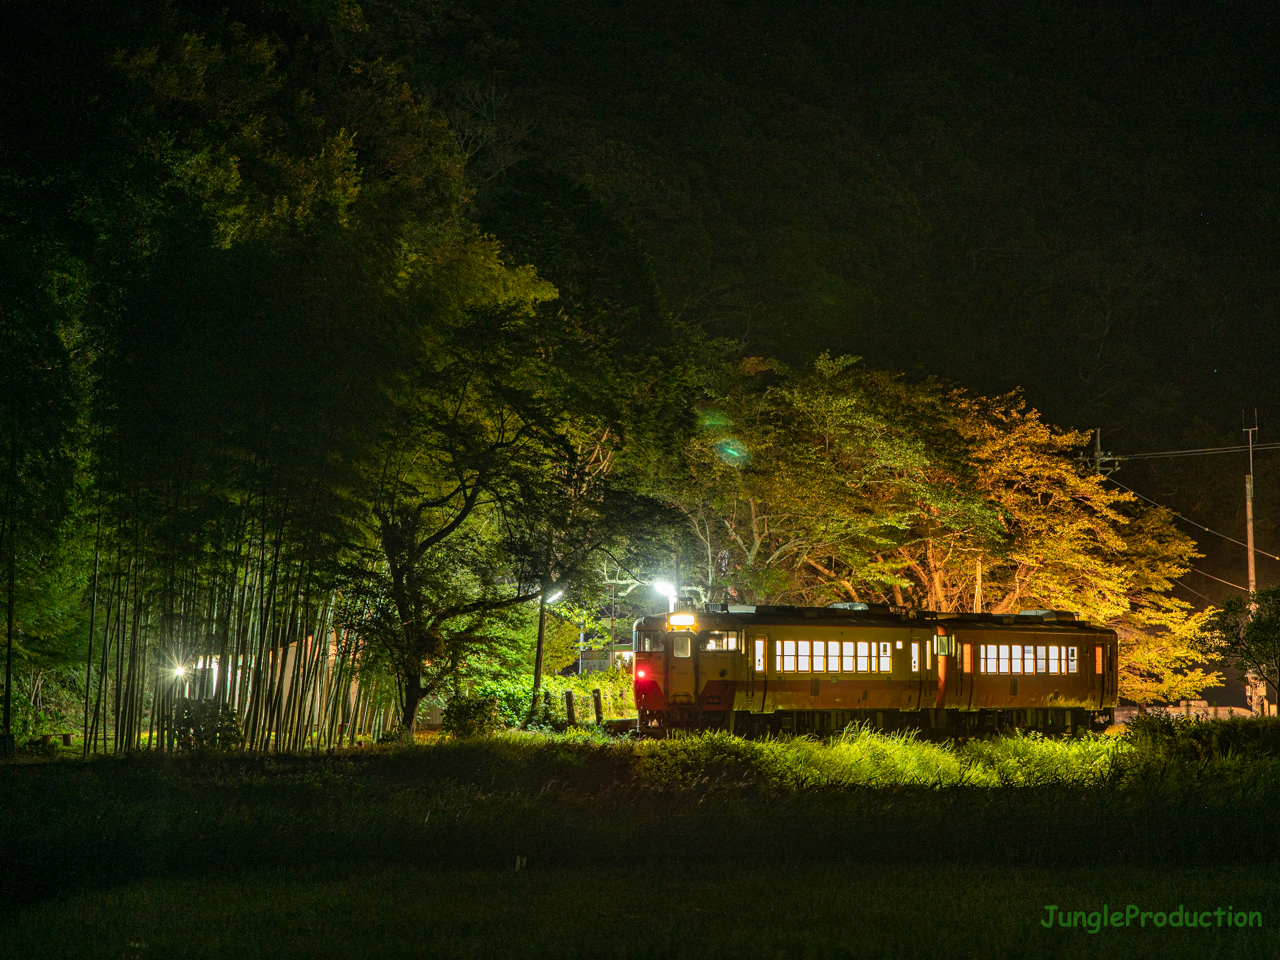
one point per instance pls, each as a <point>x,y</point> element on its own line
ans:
<point>1078,200</point>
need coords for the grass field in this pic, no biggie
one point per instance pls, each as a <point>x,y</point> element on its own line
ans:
<point>867,846</point>
<point>708,912</point>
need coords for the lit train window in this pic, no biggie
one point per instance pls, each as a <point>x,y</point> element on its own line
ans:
<point>719,640</point>
<point>803,656</point>
<point>846,657</point>
<point>1073,665</point>
<point>1029,659</point>
<point>1054,666</point>
<point>886,659</point>
<point>788,656</point>
<point>1004,658</point>
<point>915,657</point>
<point>819,656</point>
<point>653,643</point>
<point>968,658</point>
<point>760,655</point>
<point>1015,661</point>
<point>864,663</point>
<point>1097,660</point>
<point>1042,659</point>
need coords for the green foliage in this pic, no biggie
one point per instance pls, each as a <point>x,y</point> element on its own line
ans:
<point>513,695</point>
<point>205,725</point>
<point>1167,736</point>
<point>1246,630</point>
<point>472,716</point>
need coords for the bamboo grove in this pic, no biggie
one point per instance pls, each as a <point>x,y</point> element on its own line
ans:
<point>243,627</point>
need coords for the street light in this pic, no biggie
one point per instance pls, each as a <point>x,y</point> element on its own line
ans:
<point>668,591</point>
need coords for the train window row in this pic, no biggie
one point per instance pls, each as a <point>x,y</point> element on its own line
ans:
<point>1017,659</point>
<point>819,656</point>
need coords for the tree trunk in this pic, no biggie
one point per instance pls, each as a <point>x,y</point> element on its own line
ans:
<point>413,693</point>
<point>8,655</point>
<point>93,615</point>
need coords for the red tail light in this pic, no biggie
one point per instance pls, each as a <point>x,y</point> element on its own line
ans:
<point>639,673</point>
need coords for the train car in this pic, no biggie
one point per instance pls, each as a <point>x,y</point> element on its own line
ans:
<point>783,669</point>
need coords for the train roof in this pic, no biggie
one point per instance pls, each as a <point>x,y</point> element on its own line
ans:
<point>720,615</point>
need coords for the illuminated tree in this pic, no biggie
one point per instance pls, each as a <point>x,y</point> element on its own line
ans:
<point>844,484</point>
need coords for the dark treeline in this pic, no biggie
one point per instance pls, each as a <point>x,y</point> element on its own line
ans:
<point>268,383</point>
<point>339,338</point>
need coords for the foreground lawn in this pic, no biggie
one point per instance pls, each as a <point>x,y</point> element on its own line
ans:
<point>708,912</point>
<point>866,846</point>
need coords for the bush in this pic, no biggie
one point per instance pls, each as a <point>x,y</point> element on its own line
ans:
<point>206,725</point>
<point>513,696</point>
<point>1172,736</point>
<point>474,716</point>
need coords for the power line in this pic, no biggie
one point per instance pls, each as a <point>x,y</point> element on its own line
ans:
<point>1200,452</point>
<point>1196,592</point>
<point>1200,526</point>
<point>1220,580</point>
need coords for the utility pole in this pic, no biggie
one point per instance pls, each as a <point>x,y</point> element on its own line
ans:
<point>537,657</point>
<point>1248,503</point>
<point>1257,689</point>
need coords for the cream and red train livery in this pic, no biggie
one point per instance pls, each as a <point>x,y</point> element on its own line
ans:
<point>816,669</point>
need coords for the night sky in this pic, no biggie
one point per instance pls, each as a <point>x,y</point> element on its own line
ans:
<point>1077,200</point>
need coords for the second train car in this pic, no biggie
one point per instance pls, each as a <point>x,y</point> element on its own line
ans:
<point>756,670</point>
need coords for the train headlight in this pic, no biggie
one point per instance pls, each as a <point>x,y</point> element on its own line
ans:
<point>680,620</point>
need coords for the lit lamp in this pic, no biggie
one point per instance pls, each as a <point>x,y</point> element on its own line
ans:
<point>668,591</point>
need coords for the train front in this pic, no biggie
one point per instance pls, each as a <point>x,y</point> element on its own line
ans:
<point>684,669</point>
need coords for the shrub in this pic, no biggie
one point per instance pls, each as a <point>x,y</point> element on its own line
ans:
<point>206,724</point>
<point>1174,737</point>
<point>474,716</point>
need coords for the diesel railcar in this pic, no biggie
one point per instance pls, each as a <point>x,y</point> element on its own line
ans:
<point>784,669</point>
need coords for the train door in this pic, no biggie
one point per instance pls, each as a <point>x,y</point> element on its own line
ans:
<point>967,654</point>
<point>757,650</point>
<point>916,659</point>
<point>682,669</point>
<point>1110,678</point>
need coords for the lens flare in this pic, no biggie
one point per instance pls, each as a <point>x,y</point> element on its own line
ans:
<point>733,452</point>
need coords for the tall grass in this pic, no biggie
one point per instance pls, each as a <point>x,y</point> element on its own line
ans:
<point>858,757</point>
<point>585,798</point>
